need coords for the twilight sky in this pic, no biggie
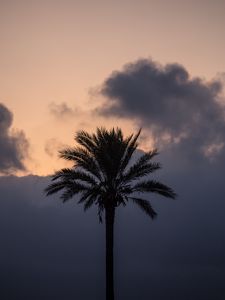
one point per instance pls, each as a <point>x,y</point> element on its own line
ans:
<point>70,65</point>
<point>56,54</point>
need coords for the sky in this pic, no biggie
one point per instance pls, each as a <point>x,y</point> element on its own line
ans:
<point>72,65</point>
<point>56,53</point>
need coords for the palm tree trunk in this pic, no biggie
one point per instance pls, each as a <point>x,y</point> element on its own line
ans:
<point>109,221</point>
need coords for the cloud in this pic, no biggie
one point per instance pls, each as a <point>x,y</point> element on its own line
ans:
<point>178,110</point>
<point>13,144</point>
<point>52,146</point>
<point>153,259</point>
<point>62,110</point>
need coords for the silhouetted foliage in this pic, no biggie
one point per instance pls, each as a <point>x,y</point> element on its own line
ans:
<point>102,175</point>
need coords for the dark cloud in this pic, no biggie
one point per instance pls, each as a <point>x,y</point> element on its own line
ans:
<point>13,144</point>
<point>185,112</point>
<point>62,110</point>
<point>51,250</point>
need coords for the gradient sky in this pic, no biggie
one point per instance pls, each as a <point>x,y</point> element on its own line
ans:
<point>55,52</point>
<point>70,65</point>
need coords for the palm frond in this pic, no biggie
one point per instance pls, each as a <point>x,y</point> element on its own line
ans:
<point>86,140</point>
<point>85,196</point>
<point>54,187</point>
<point>93,191</point>
<point>121,199</point>
<point>154,187</point>
<point>131,147</point>
<point>72,174</point>
<point>141,171</point>
<point>145,206</point>
<point>142,167</point>
<point>100,212</point>
<point>71,189</point>
<point>109,151</point>
<point>83,159</point>
<point>89,202</point>
<point>125,189</point>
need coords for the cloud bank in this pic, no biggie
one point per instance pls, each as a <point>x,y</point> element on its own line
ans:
<point>177,109</point>
<point>56,251</point>
<point>13,144</point>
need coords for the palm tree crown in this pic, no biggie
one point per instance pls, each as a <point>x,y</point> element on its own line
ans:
<point>102,173</point>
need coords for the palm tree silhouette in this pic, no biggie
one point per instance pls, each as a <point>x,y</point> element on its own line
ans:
<point>103,175</point>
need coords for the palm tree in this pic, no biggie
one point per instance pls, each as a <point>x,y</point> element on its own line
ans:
<point>103,175</point>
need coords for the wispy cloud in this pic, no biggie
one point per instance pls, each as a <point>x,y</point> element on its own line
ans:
<point>52,146</point>
<point>62,110</point>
